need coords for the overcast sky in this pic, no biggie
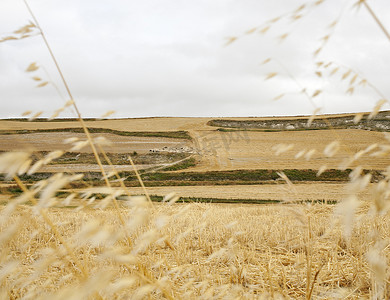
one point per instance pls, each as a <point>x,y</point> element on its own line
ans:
<point>169,58</point>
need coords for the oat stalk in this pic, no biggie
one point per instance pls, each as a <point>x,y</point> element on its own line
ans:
<point>380,24</point>
<point>54,228</point>
<point>69,93</point>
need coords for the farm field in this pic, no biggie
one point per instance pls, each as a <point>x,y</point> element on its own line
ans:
<point>216,150</point>
<point>138,124</point>
<point>299,192</point>
<point>212,150</point>
<point>199,251</point>
<point>100,238</point>
<point>256,150</point>
<point>52,141</point>
<point>306,192</point>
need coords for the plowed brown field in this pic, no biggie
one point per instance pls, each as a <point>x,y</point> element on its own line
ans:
<point>50,141</point>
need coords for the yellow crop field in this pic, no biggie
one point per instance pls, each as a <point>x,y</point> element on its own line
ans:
<point>215,150</point>
<point>324,240</point>
<point>299,192</point>
<point>256,150</point>
<point>190,251</point>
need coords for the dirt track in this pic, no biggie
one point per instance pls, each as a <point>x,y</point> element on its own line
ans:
<point>74,168</point>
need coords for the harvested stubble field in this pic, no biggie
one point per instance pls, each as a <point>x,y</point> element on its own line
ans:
<point>190,251</point>
<point>60,241</point>
<point>138,124</point>
<point>300,192</point>
<point>212,150</point>
<point>256,150</point>
<point>217,150</point>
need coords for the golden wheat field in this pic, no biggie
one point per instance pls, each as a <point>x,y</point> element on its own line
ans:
<point>299,192</point>
<point>192,251</point>
<point>109,243</point>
